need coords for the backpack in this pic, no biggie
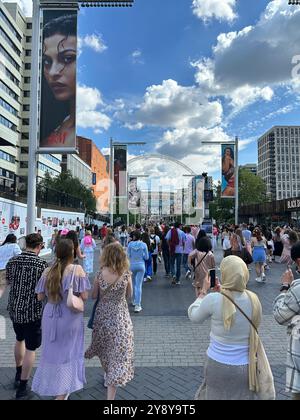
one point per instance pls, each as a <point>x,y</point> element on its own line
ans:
<point>88,241</point>
<point>152,247</point>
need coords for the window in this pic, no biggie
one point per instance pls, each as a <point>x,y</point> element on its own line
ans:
<point>24,150</point>
<point>5,19</point>
<point>27,66</point>
<point>25,136</point>
<point>28,39</point>
<point>26,108</point>
<point>26,93</point>
<point>45,168</point>
<point>4,121</point>
<point>8,107</point>
<point>53,159</point>
<point>9,42</point>
<point>28,53</point>
<point>27,80</point>
<point>8,90</point>
<point>9,74</point>
<point>7,157</point>
<point>9,58</point>
<point>25,121</point>
<point>29,25</point>
<point>24,165</point>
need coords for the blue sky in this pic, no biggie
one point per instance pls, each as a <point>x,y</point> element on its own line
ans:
<point>173,73</point>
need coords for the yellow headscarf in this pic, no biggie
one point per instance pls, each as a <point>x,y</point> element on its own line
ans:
<point>235,276</point>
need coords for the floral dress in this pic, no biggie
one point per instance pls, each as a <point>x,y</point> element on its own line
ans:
<point>112,339</point>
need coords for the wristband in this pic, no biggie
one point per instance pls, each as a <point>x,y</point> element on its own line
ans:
<point>285,287</point>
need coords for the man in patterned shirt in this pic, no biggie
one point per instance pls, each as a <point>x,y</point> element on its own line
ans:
<point>286,311</point>
<point>22,274</point>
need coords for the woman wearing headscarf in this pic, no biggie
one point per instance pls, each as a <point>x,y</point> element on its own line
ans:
<point>230,371</point>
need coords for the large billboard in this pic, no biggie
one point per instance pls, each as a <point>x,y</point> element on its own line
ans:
<point>228,171</point>
<point>58,81</point>
<point>120,170</point>
<point>134,194</point>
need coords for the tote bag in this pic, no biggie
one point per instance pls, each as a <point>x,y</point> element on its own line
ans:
<point>74,303</point>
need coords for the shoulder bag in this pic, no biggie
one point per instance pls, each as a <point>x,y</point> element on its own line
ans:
<point>194,270</point>
<point>75,303</point>
<point>264,373</point>
<point>92,317</point>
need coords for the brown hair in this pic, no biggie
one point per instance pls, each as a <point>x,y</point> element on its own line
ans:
<point>115,258</point>
<point>257,234</point>
<point>64,254</point>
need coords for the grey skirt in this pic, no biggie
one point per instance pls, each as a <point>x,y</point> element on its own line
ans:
<point>224,382</point>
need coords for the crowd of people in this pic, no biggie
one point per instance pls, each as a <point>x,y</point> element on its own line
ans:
<point>42,309</point>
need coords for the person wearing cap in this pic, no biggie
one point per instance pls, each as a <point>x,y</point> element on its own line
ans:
<point>22,274</point>
<point>286,311</point>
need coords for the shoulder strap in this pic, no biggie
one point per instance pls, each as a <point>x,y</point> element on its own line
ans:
<point>240,309</point>
<point>202,259</point>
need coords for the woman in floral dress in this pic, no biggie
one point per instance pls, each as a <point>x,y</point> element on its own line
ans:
<point>112,339</point>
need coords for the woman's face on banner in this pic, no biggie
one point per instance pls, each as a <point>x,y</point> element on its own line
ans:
<point>59,60</point>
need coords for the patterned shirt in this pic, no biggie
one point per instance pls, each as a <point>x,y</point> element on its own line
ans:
<point>23,273</point>
<point>286,310</point>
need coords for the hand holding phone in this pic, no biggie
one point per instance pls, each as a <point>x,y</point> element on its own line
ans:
<point>212,277</point>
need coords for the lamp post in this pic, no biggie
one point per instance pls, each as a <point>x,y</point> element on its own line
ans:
<point>236,172</point>
<point>112,144</point>
<point>38,5</point>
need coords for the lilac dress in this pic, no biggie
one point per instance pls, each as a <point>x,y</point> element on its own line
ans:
<point>61,368</point>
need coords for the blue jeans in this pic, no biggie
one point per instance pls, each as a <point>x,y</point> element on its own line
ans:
<point>185,262</point>
<point>138,271</point>
<point>176,258</point>
<point>148,266</point>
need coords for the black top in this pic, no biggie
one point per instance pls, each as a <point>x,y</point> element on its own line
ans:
<point>23,273</point>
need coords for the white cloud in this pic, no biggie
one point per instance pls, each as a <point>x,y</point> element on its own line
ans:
<point>258,56</point>
<point>247,95</point>
<point>25,5</point>
<point>89,109</point>
<point>181,143</point>
<point>215,9</point>
<point>170,105</point>
<point>137,57</point>
<point>94,41</point>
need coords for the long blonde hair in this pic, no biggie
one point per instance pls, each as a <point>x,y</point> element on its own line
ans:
<point>115,258</point>
<point>64,256</point>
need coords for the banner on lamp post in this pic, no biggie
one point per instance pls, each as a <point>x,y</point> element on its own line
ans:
<point>58,82</point>
<point>228,171</point>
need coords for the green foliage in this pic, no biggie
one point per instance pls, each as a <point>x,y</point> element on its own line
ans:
<point>66,183</point>
<point>252,190</point>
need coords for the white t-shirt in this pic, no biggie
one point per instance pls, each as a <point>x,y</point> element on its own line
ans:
<point>157,240</point>
<point>7,252</point>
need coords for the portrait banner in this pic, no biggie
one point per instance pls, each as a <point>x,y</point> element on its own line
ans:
<point>198,192</point>
<point>120,170</point>
<point>228,171</point>
<point>134,194</point>
<point>58,82</point>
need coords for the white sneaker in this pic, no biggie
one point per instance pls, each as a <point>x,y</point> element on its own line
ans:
<point>258,280</point>
<point>188,273</point>
<point>137,309</point>
<point>263,277</point>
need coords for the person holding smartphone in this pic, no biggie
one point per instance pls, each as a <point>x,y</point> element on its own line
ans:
<point>230,371</point>
<point>200,261</point>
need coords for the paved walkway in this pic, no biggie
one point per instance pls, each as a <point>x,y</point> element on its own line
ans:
<point>169,350</point>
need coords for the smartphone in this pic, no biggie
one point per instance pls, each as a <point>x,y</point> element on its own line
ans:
<point>212,276</point>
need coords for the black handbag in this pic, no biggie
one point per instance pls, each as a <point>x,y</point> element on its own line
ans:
<point>246,256</point>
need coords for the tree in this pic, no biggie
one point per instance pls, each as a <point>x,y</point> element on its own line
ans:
<point>67,184</point>
<point>252,190</point>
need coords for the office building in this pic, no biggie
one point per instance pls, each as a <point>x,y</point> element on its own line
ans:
<point>92,156</point>
<point>279,161</point>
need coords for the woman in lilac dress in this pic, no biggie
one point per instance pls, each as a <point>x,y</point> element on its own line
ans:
<point>61,368</point>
